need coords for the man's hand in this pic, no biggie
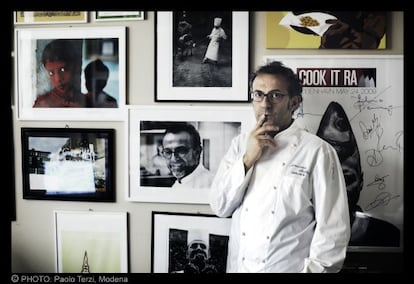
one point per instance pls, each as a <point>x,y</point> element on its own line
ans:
<point>259,139</point>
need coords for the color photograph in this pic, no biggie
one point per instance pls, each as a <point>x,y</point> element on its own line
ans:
<point>326,29</point>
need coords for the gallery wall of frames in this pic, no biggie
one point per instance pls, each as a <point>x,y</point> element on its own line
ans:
<point>93,189</point>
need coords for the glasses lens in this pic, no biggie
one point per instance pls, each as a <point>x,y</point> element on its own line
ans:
<point>257,96</point>
<point>180,151</point>
<point>167,153</point>
<point>275,96</point>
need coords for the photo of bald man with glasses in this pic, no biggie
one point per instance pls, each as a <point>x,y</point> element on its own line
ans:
<point>182,151</point>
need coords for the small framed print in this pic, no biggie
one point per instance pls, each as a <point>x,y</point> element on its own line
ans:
<point>50,17</point>
<point>202,56</point>
<point>91,242</point>
<point>189,243</point>
<point>119,15</point>
<point>175,151</point>
<point>91,62</point>
<point>68,164</point>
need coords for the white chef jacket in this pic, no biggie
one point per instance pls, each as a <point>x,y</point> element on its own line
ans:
<point>199,178</point>
<point>289,211</point>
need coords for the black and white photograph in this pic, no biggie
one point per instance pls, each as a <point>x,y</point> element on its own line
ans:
<point>73,73</point>
<point>68,164</point>
<point>189,243</point>
<point>202,49</point>
<point>176,160</point>
<point>202,56</point>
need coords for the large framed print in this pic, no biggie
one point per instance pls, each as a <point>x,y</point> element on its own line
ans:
<point>91,242</point>
<point>68,164</point>
<point>202,56</point>
<point>75,73</point>
<point>119,15</point>
<point>356,103</point>
<point>175,151</point>
<point>189,243</point>
<point>50,17</point>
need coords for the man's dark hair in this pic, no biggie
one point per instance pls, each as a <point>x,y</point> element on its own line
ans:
<point>277,68</point>
<point>186,127</point>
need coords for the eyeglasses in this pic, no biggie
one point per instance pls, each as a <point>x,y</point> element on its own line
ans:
<point>273,96</point>
<point>180,151</point>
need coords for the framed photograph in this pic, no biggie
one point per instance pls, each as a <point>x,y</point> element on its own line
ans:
<point>119,15</point>
<point>320,29</point>
<point>68,164</point>
<point>91,242</point>
<point>356,104</point>
<point>50,17</point>
<point>202,56</point>
<point>75,73</point>
<point>175,151</point>
<point>189,243</point>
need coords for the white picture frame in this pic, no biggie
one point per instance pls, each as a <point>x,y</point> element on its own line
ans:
<point>91,242</point>
<point>107,44</point>
<point>187,79</point>
<point>217,126</point>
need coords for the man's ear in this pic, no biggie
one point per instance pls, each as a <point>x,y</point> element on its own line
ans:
<point>199,150</point>
<point>294,103</point>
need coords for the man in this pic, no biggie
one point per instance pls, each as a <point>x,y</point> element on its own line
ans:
<point>198,254</point>
<point>283,186</point>
<point>182,150</point>
<point>62,63</point>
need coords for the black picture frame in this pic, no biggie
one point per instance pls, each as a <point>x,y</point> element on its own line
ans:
<point>72,164</point>
<point>186,72</point>
<point>173,233</point>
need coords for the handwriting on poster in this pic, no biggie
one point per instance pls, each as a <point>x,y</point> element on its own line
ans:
<point>370,107</point>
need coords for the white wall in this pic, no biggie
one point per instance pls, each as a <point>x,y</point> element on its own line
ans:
<point>33,231</point>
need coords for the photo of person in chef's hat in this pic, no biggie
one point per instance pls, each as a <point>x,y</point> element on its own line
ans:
<point>216,36</point>
<point>198,254</point>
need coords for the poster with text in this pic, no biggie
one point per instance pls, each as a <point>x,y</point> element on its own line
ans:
<point>356,103</point>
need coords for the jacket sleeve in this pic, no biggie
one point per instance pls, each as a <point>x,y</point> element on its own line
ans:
<point>332,231</point>
<point>230,182</point>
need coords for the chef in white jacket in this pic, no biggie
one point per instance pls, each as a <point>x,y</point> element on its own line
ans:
<point>283,187</point>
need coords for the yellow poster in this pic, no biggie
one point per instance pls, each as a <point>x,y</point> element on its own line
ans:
<point>326,29</point>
